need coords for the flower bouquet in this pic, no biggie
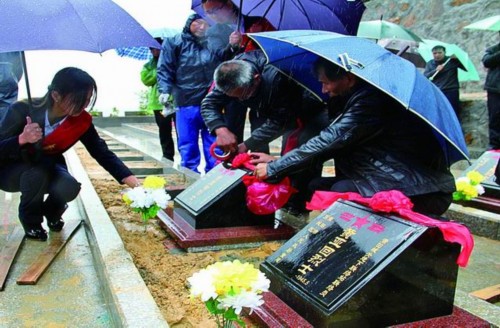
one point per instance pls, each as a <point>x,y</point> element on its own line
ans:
<point>469,187</point>
<point>147,199</point>
<point>227,287</point>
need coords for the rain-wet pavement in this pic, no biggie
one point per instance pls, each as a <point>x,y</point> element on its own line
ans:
<point>72,292</point>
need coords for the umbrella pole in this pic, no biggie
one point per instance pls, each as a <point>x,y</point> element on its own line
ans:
<point>437,72</point>
<point>25,70</point>
<point>240,15</point>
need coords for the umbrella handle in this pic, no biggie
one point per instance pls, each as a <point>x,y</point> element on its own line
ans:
<point>436,73</point>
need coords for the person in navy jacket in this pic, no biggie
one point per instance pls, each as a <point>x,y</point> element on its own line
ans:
<point>33,138</point>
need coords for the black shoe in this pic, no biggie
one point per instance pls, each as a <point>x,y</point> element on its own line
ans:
<point>36,234</point>
<point>55,221</point>
<point>56,225</point>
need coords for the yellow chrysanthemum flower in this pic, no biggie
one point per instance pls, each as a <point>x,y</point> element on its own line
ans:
<point>475,177</point>
<point>233,277</point>
<point>154,182</point>
<point>126,199</point>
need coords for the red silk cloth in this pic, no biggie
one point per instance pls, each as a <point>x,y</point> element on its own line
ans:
<point>262,197</point>
<point>66,134</point>
<point>394,201</point>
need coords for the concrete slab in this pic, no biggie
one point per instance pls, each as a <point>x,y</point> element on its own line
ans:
<point>67,295</point>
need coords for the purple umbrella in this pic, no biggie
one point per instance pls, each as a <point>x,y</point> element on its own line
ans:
<point>341,16</point>
<point>87,25</point>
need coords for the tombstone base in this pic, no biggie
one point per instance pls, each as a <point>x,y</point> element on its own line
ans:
<point>277,314</point>
<point>189,238</point>
<point>483,203</point>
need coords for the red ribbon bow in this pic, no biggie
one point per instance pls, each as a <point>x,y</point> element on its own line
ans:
<point>394,201</point>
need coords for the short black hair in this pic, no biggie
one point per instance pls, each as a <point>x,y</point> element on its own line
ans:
<point>332,71</point>
<point>438,47</point>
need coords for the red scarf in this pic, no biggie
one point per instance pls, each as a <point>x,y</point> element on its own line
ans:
<point>66,134</point>
<point>394,201</point>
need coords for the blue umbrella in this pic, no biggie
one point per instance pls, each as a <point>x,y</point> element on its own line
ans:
<point>87,25</point>
<point>143,53</point>
<point>293,52</point>
<point>341,16</point>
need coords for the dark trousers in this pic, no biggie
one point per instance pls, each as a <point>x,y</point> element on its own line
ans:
<point>435,203</point>
<point>165,134</point>
<point>453,97</point>
<point>494,120</point>
<point>34,181</point>
<point>300,180</point>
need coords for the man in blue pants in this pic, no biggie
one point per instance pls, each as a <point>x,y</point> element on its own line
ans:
<point>185,71</point>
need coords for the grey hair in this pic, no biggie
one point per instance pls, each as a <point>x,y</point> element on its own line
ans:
<point>234,74</point>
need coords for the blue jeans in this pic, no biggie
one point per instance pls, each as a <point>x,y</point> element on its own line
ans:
<point>190,127</point>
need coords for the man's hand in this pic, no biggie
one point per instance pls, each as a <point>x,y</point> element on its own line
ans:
<point>163,98</point>
<point>31,133</point>
<point>131,181</point>
<point>439,68</point>
<point>258,158</point>
<point>261,171</point>
<point>226,140</point>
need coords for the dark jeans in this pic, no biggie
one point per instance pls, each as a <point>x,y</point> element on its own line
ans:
<point>494,120</point>
<point>165,133</point>
<point>435,203</point>
<point>453,97</point>
<point>34,181</point>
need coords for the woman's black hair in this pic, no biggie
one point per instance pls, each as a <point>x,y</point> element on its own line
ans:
<point>74,84</point>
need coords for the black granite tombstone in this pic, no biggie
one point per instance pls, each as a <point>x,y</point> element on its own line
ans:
<point>217,200</point>
<point>486,165</point>
<point>351,267</point>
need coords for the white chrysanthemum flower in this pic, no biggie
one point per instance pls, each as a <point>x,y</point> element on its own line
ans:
<point>262,284</point>
<point>140,197</point>
<point>202,285</point>
<point>241,300</point>
<point>463,179</point>
<point>480,189</point>
<point>160,197</point>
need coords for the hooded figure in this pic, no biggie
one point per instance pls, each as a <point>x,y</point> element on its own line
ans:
<point>185,71</point>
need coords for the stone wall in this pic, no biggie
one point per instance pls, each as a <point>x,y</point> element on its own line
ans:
<point>444,20</point>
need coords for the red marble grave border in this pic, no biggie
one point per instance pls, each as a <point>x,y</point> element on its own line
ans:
<point>483,203</point>
<point>276,314</point>
<point>186,236</point>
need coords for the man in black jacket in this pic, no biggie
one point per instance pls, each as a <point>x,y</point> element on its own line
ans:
<point>443,72</point>
<point>491,60</point>
<point>376,144</point>
<point>227,40</point>
<point>276,98</point>
<point>279,101</point>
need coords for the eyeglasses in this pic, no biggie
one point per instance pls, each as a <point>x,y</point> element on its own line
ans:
<point>213,11</point>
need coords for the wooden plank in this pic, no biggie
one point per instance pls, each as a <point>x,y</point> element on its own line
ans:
<point>56,243</point>
<point>489,294</point>
<point>9,252</point>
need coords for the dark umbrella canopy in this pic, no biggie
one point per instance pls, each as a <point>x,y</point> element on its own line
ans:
<point>341,16</point>
<point>405,49</point>
<point>294,52</point>
<point>87,25</point>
